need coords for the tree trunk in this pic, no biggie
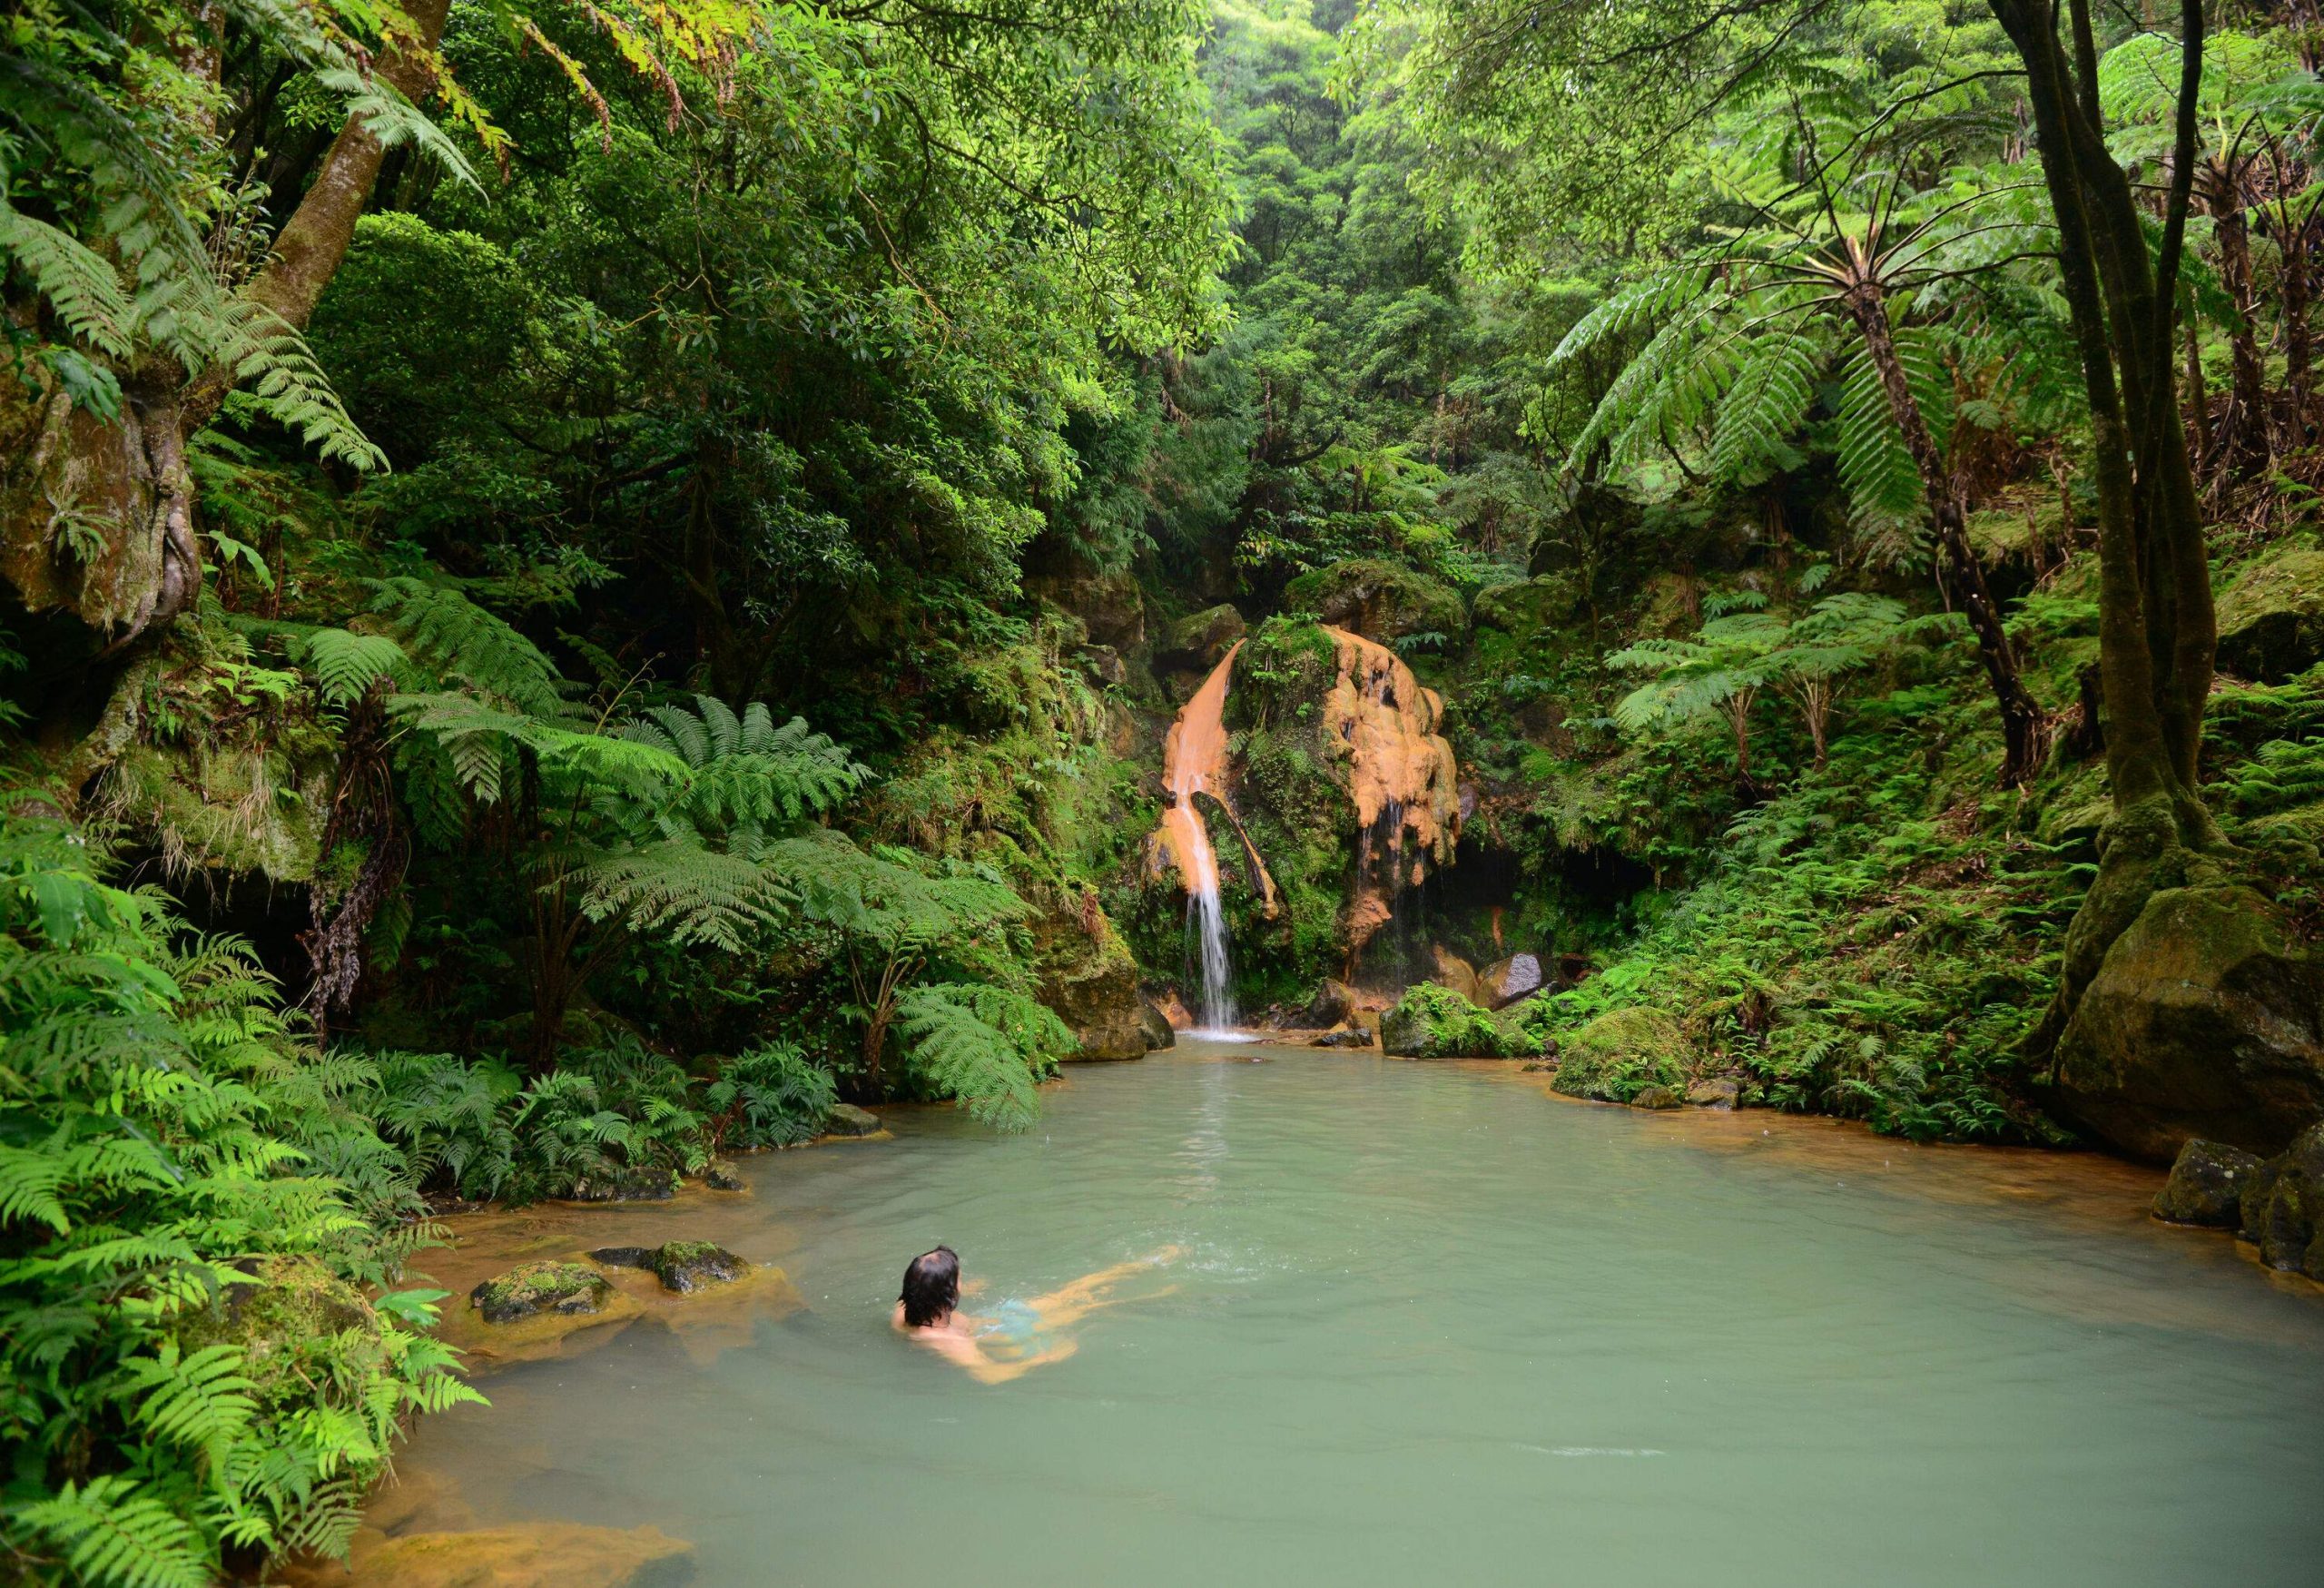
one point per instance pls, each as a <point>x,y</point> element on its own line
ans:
<point>2247,426</point>
<point>2157,629</point>
<point>2293,242</point>
<point>2021,715</point>
<point>2198,398</point>
<point>97,519</point>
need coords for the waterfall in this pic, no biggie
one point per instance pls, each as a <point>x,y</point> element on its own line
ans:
<point>1193,761</point>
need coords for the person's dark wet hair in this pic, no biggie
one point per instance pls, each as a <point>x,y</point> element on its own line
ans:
<point>931,1287</point>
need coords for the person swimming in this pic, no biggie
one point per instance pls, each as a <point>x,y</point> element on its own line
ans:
<point>1020,1335</point>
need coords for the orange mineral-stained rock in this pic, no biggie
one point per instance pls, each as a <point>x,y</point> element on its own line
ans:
<point>1400,769</point>
<point>528,1554</point>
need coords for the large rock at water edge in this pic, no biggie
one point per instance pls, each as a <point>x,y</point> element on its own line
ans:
<point>1430,1021</point>
<point>1091,984</point>
<point>847,1119</point>
<point>2272,615</point>
<point>1454,972</point>
<point>1504,982</point>
<point>570,1289</point>
<point>1620,1054</point>
<point>526,1554</point>
<point>2206,1186</point>
<point>2287,1226</point>
<point>1335,1003</point>
<point>1155,1026</point>
<point>2201,1021</point>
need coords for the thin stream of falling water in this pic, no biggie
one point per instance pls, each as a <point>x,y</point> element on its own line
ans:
<point>1193,759</point>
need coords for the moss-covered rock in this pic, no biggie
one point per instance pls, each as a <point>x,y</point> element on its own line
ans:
<point>847,1119</point>
<point>2200,1021</point>
<point>571,1290</point>
<point>1527,605</point>
<point>1432,1021</point>
<point>1380,600</point>
<point>2206,1186</point>
<point>1656,1096</point>
<point>2272,615</point>
<point>2294,1214</point>
<point>687,1266</point>
<point>288,1315</point>
<point>1201,640</point>
<point>649,1184</point>
<point>1090,983</point>
<point>1620,1054</point>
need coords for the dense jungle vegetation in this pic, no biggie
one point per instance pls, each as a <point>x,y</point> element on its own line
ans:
<point>585,585</point>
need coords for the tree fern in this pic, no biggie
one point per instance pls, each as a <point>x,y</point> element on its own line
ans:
<point>1774,385</point>
<point>979,1046</point>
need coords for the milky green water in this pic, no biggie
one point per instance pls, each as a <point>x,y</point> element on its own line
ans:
<point>1434,1326</point>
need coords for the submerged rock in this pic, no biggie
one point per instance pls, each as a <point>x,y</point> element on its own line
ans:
<point>722,1176</point>
<point>1721,1094</point>
<point>529,1554</point>
<point>2200,1021</point>
<point>847,1119</point>
<point>687,1266</point>
<point>1345,1036</point>
<point>570,1289</point>
<point>2206,1186</point>
<point>625,1256</point>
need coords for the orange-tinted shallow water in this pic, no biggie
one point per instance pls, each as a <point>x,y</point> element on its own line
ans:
<point>1431,1322</point>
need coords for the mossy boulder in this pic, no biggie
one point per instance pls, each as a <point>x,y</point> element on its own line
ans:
<point>288,1314</point>
<point>688,1266</point>
<point>2206,1186</point>
<point>1721,1095</point>
<point>1093,989</point>
<point>1380,600</point>
<point>1656,1096</point>
<point>2287,1226</point>
<point>1432,1021</point>
<point>2200,1021</point>
<point>2272,615</point>
<point>847,1119</point>
<point>231,808</point>
<point>652,1183</point>
<point>1199,641</point>
<point>1617,1055</point>
<point>1526,606</point>
<point>568,1290</point>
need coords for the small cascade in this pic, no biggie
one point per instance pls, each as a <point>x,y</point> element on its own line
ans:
<point>1193,761</point>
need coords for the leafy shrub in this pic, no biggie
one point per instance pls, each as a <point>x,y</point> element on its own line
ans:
<point>773,1096</point>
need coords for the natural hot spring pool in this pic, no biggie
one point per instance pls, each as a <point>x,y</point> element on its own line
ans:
<point>1436,1326</point>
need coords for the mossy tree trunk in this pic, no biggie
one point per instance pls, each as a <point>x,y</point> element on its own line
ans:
<point>97,519</point>
<point>2157,629</point>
